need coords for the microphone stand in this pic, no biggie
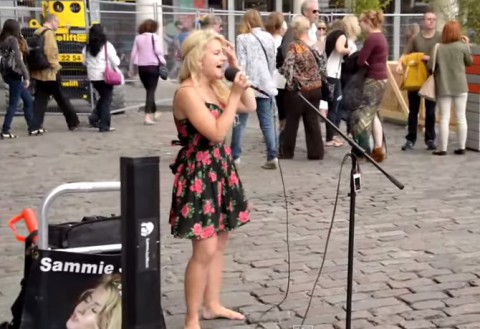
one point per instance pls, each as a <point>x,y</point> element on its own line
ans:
<point>354,187</point>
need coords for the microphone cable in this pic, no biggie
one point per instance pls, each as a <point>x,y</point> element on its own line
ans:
<point>328,236</point>
<point>277,139</point>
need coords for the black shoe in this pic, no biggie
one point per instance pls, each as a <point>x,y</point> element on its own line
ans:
<point>459,151</point>
<point>408,145</point>
<point>439,153</point>
<point>73,128</point>
<point>431,145</point>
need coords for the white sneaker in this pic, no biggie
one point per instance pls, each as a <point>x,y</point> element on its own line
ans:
<point>236,162</point>
<point>271,164</point>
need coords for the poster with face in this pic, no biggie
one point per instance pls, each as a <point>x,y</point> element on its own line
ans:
<point>73,291</point>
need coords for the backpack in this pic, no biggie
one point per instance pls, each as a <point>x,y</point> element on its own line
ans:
<point>8,64</point>
<point>36,58</point>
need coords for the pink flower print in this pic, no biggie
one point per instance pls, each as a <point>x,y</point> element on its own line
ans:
<point>244,216</point>
<point>208,232</point>
<point>191,167</point>
<point>182,130</point>
<point>197,186</point>
<point>173,218</point>
<point>197,230</point>
<point>216,153</point>
<point>203,158</point>
<point>207,208</point>
<point>212,176</point>
<point>185,211</point>
<point>225,166</point>
<point>228,150</point>
<point>220,193</point>
<point>180,186</point>
<point>196,139</point>
<point>221,226</point>
<point>230,206</point>
<point>233,179</point>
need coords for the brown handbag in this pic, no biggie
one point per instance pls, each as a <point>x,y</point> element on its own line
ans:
<point>428,88</point>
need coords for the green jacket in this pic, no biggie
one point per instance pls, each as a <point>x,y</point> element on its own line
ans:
<point>450,75</point>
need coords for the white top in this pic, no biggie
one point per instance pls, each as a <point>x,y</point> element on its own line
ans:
<point>96,65</point>
<point>279,79</point>
<point>312,32</point>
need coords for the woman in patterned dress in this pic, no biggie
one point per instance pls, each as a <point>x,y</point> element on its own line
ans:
<point>207,197</point>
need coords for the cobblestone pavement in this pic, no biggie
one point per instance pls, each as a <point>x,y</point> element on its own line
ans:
<point>417,260</point>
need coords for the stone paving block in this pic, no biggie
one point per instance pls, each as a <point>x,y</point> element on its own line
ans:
<point>370,304</point>
<point>420,297</point>
<point>463,309</point>
<point>457,320</point>
<point>390,293</point>
<point>423,314</point>
<point>420,324</point>
<point>410,283</point>
<point>428,305</point>
<point>458,277</point>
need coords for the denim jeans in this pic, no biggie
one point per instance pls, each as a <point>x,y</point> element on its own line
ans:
<point>17,91</point>
<point>265,118</point>
<point>333,111</point>
<point>102,111</point>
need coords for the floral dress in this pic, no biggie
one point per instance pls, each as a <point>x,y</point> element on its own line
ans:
<point>207,195</point>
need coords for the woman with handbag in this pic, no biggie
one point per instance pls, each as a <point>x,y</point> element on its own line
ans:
<point>364,120</point>
<point>14,72</point>
<point>148,56</point>
<point>303,68</point>
<point>256,55</point>
<point>453,54</point>
<point>99,56</point>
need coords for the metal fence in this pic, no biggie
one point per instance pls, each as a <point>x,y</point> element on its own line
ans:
<point>121,20</point>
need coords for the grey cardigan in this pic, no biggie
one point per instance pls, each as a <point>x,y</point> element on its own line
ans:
<point>12,43</point>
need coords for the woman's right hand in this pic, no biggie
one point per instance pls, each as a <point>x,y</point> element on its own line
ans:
<point>26,83</point>
<point>240,83</point>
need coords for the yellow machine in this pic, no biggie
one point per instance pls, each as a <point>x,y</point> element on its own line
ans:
<point>72,36</point>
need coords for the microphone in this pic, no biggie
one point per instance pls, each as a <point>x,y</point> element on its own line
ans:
<point>230,74</point>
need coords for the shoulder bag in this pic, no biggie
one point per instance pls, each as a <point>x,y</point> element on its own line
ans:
<point>428,88</point>
<point>162,69</point>
<point>111,76</point>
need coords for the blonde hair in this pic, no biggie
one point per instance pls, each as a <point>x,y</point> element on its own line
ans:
<point>373,17</point>
<point>250,20</point>
<point>300,25</point>
<point>193,51</point>
<point>110,317</point>
<point>352,27</point>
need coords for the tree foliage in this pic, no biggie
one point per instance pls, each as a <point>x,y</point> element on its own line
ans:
<point>467,12</point>
<point>359,6</point>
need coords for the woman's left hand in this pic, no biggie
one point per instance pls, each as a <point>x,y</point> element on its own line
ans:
<point>229,49</point>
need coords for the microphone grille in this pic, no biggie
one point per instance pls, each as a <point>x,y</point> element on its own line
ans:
<point>230,73</point>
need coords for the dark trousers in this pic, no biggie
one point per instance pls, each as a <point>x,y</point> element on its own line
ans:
<point>332,114</point>
<point>296,108</point>
<point>43,90</point>
<point>280,100</point>
<point>149,76</point>
<point>16,92</point>
<point>101,115</point>
<point>414,107</point>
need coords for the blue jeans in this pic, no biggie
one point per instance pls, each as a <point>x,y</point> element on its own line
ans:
<point>265,117</point>
<point>17,91</point>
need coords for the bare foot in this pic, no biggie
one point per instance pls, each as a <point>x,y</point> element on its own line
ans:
<point>220,312</point>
